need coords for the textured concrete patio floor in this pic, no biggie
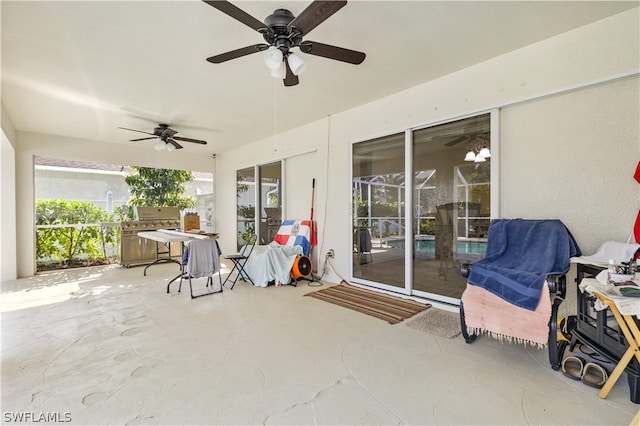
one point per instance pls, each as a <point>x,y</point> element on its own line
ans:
<point>107,345</point>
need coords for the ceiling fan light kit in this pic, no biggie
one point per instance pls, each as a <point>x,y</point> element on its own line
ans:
<point>273,58</point>
<point>484,152</point>
<point>478,150</point>
<point>296,63</point>
<point>283,31</point>
<point>470,156</point>
<point>279,72</point>
<point>478,154</point>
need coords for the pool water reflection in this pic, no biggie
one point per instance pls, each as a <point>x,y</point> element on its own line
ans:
<point>429,246</point>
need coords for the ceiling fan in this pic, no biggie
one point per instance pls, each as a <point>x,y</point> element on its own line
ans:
<point>460,139</point>
<point>467,130</point>
<point>282,31</point>
<point>166,135</point>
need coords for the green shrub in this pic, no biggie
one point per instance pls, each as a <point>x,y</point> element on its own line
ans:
<point>68,240</point>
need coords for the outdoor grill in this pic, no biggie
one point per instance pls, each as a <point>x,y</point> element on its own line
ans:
<point>141,251</point>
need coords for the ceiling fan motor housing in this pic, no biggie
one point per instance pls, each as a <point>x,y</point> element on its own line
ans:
<point>158,131</point>
<point>279,36</point>
<point>164,132</point>
<point>279,20</point>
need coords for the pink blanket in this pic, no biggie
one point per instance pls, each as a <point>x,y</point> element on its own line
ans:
<point>485,312</point>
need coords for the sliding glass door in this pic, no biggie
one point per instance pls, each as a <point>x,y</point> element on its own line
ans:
<point>448,196</point>
<point>259,202</point>
<point>378,211</point>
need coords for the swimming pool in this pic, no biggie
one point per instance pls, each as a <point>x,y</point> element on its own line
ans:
<point>466,247</point>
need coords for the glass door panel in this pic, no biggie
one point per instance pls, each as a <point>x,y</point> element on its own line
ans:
<point>451,204</point>
<point>245,207</point>
<point>270,201</point>
<point>378,210</point>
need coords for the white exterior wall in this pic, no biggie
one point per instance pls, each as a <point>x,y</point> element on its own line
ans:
<point>602,51</point>
<point>575,160</point>
<point>8,268</point>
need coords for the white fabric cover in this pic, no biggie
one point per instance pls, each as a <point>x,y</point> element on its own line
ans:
<point>272,262</point>
<point>619,252</point>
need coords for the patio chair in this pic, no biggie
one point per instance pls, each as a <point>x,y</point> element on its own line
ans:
<point>239,260</point>
<point>514,293</point>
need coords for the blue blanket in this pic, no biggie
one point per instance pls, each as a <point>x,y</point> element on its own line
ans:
<point>520,255</point>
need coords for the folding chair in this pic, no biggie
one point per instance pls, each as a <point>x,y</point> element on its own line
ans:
<point>629,328</point>
<point>202,260</point>
<point>239,260</point>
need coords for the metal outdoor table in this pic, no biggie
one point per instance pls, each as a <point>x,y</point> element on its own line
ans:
<point>166,239</point>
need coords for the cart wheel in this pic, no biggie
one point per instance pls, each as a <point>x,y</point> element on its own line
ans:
<point>469,338</point>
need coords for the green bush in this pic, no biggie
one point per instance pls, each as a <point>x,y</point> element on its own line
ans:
<point>246,212</point>
<point>71,242</point>
<point>428,226</point>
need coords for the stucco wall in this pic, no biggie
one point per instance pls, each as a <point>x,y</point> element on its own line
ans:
<point>573,157</point>
<point>8,267</point>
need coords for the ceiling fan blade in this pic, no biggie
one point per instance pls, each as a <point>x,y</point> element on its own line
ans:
<point>457,141</point>
<point>189,140</point>
<point>233,54</point>
<point>174,143</point>
<point>141,139</point>
<point>290,78</point>
<point>332,52</point>
<point>134,130</point>
<point>315,14</point>
<point>238,14</point>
